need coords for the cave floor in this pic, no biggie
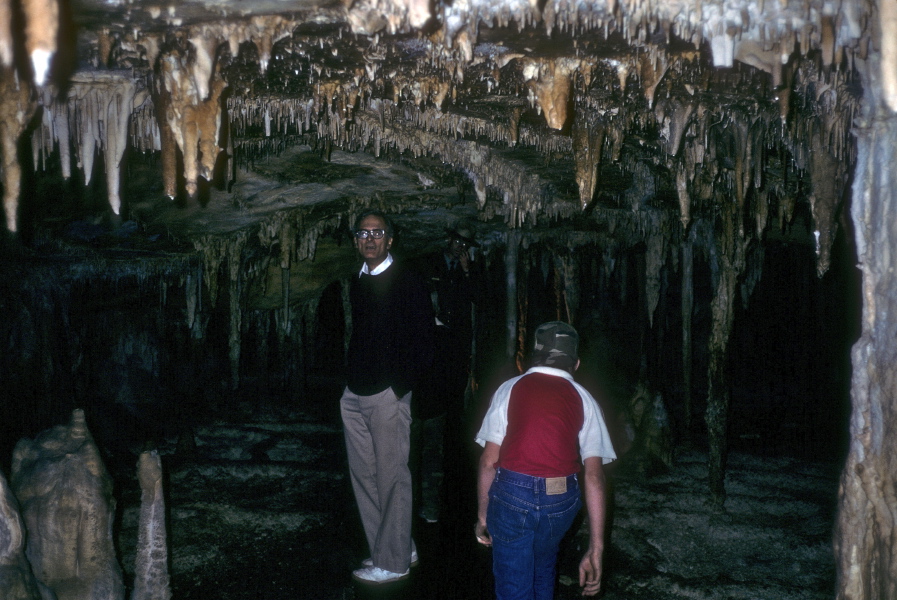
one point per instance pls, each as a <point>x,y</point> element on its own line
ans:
<point>263,508</point>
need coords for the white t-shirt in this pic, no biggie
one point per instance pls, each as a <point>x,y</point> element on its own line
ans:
<point>594,439</point>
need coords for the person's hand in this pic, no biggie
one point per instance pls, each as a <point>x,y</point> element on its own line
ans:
<point>590,573</point>
<point>482,534</point>
<point>464,261</point>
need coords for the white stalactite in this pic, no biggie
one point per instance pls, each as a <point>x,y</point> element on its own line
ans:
<point>119,105</point>
<point>887,15</point>
<point>42,25</point>
<point>6,40</point>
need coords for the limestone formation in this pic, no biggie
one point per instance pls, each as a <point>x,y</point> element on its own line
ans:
<point>151,581</point>
<point>68,510</point>
<point>16,579</point>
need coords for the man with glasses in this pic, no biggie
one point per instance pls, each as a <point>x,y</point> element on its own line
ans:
<point>391,345</point>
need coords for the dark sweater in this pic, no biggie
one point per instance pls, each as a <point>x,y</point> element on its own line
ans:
<point>392,331</point>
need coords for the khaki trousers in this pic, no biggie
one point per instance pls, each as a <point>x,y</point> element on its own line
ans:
<point>378,430</point>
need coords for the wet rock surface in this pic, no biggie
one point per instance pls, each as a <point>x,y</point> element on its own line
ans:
<point>264,509</point>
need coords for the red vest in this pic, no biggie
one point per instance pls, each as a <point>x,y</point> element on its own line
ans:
<point>545,416</point>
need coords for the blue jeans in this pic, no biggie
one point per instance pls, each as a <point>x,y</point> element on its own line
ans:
<point>527,525</point>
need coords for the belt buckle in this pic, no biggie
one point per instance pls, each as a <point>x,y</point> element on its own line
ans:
<point>555,485</point>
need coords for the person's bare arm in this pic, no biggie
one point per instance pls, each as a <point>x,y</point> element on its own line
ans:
<point>484,481</point>
<point>595,497</point>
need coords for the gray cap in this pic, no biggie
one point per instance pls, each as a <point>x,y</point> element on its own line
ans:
<point>556,345</point>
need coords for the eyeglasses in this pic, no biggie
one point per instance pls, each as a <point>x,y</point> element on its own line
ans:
<point>363,234</point>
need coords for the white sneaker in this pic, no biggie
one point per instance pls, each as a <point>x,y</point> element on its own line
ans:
<point>377,576</point>
<point>369,562</point>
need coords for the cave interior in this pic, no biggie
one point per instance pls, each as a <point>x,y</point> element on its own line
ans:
<point>674,179</point>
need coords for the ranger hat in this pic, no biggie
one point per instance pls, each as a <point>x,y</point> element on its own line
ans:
<point>556,345</point>
<point>463,232</point>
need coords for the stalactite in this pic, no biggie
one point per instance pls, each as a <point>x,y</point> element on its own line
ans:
<point>41,29</point>
<point>887,21</point>
<point>741,146</point>
<point>512,251</point>
<point>825,200</point>
<point>167,140</point>
<point>347,313</point>
<point>56,126</point>
<point>588,144</point>
<point>6,38</point>
<point>118,111</point>
<point>651,70</point>
<point>551,82</point>
<point>727,264</point>
<point>569,270</point>
<point>522,303</point>
<point>16,109</point>
<point>687,298</point>
<point>655,257</point>
<point>194,121</point>
<point>684,198</point>
<point>235,308</point>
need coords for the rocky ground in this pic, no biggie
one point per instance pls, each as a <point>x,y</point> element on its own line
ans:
<point>264,510</point>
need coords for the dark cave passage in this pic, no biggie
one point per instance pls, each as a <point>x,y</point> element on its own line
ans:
<point>123,345</point>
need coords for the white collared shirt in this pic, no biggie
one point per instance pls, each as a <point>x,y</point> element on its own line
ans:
<point>378,269</point>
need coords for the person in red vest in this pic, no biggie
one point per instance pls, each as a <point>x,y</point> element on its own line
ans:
<point>544,446</point>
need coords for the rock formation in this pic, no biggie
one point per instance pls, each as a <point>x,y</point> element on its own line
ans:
<point>65,523</point>
<point>68,509</point>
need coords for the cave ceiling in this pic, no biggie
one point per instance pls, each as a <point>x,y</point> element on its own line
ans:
<point>610,122</point>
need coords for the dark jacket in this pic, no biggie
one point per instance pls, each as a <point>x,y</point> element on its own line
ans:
<point>392,331</point>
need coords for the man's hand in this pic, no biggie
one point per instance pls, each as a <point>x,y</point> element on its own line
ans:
<point>590,573</point>
<point>464,261</point>
<point>482,534</point>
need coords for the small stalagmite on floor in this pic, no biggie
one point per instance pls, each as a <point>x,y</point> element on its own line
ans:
<point>56,520</point>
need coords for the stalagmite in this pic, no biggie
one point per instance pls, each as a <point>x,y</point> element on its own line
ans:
<point>16,579</point>
<point>151,580</point>
<point>68,508</point>
<point>16,109</point>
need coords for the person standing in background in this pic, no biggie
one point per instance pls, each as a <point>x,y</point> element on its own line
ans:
<point>541,433</point>
<point>453,280</point>
<point>391,346</point>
